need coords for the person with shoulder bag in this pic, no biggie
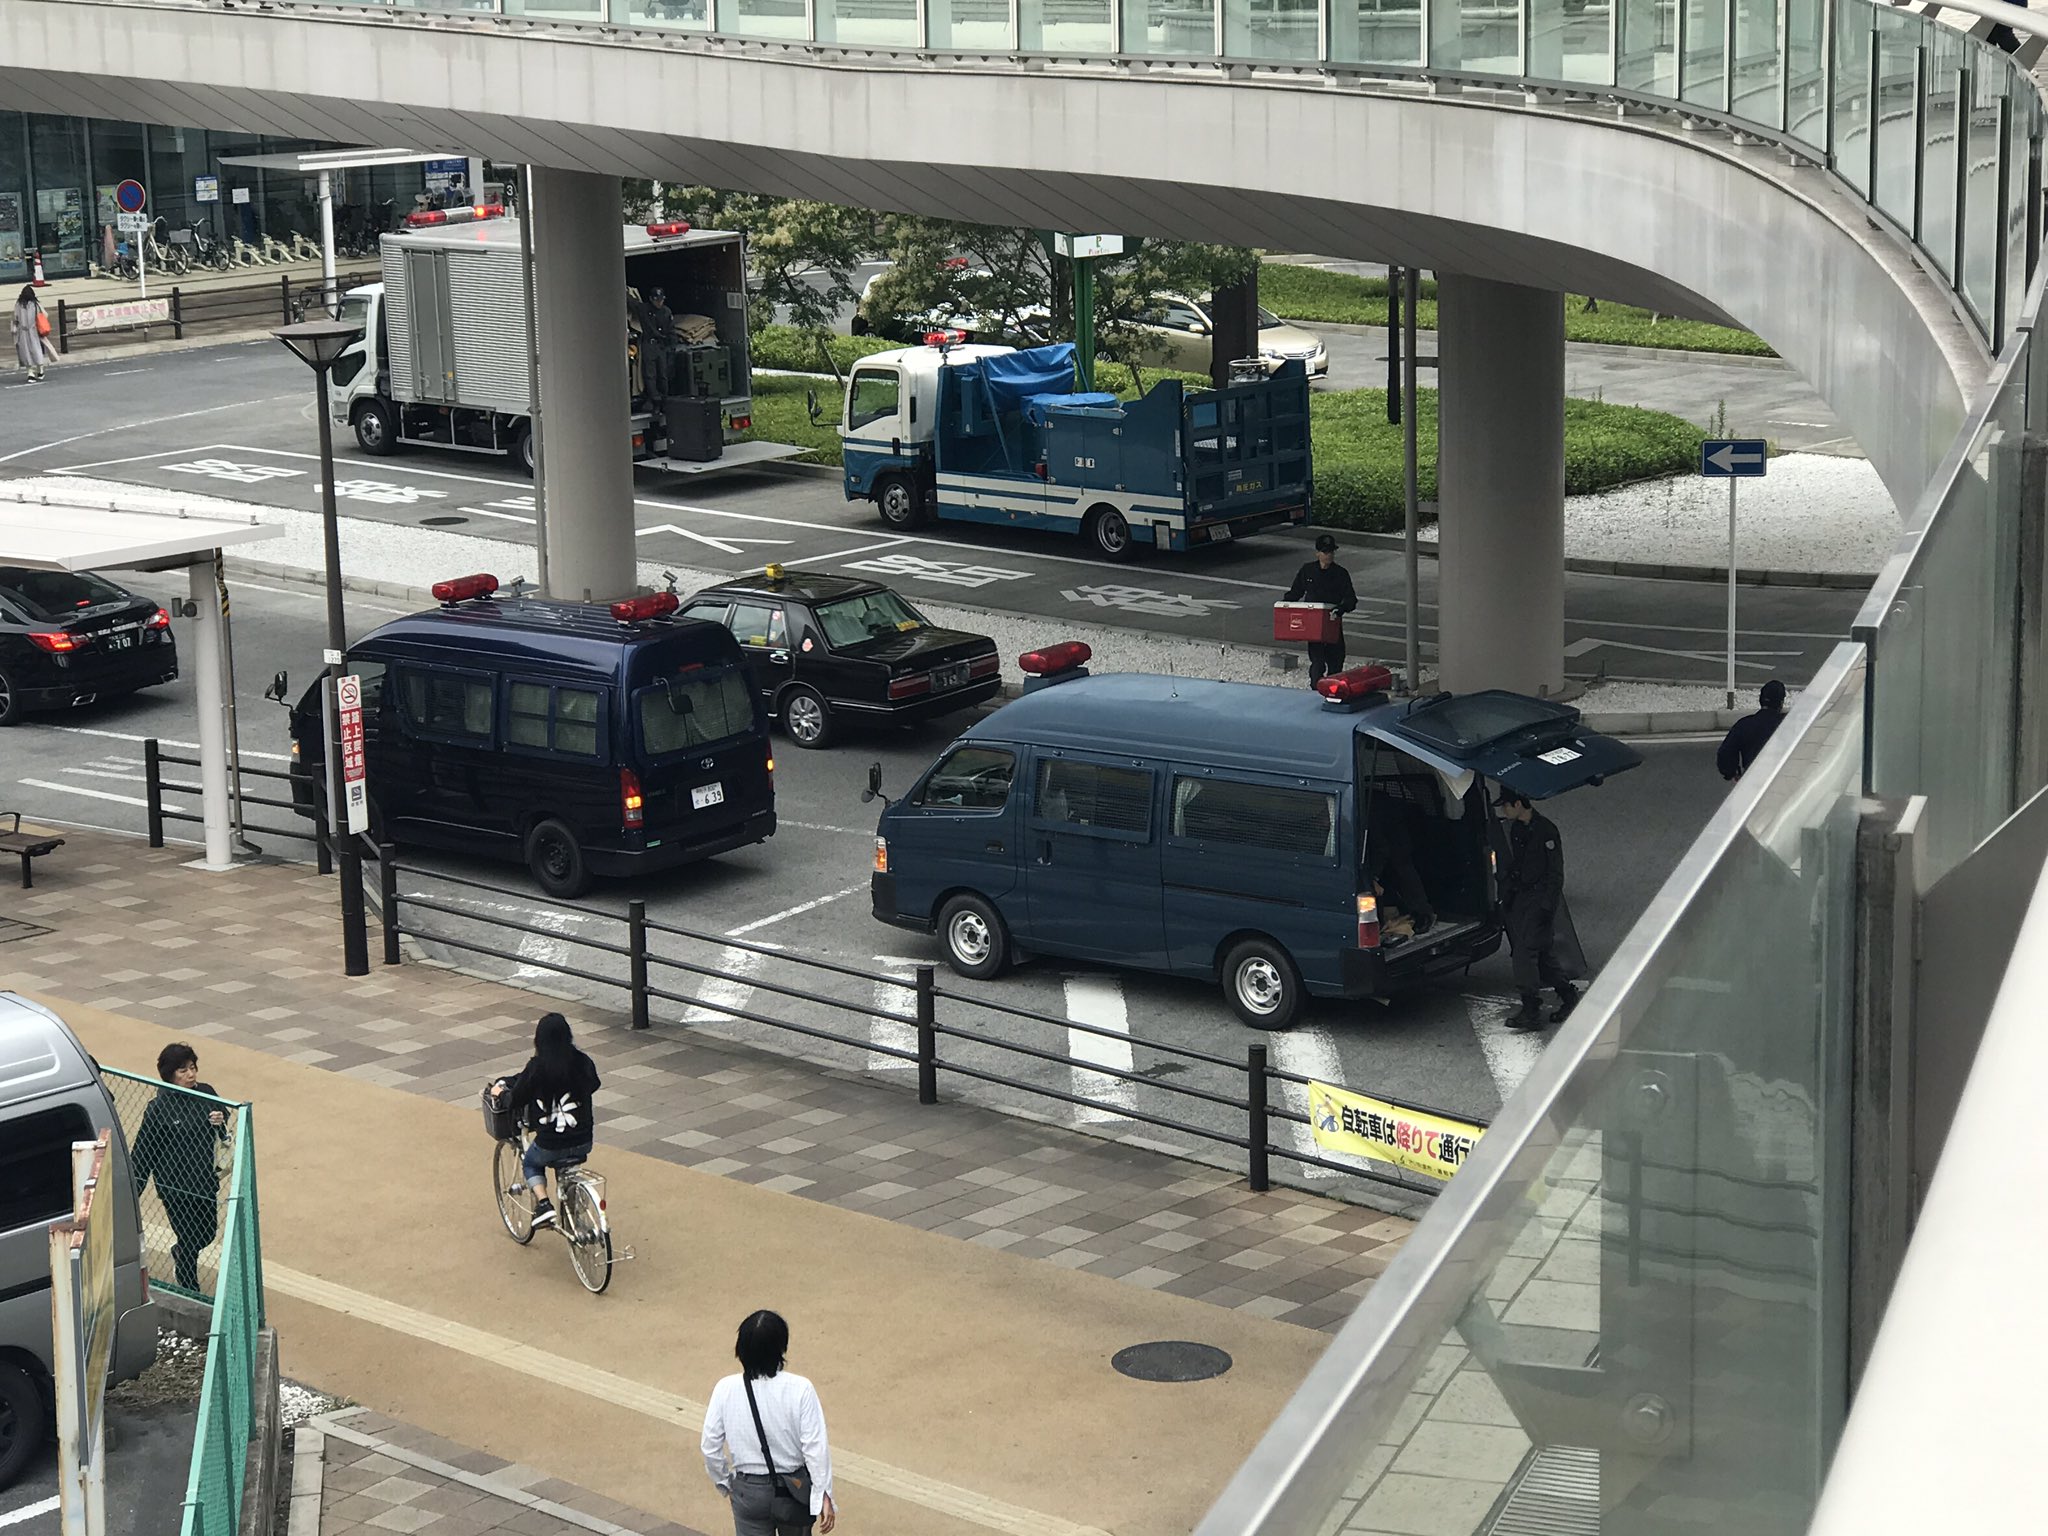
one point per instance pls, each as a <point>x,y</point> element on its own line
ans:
<point>764,1439</point>
<point>31,330</point>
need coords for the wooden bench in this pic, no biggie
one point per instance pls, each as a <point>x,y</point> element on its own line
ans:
<point>29,845</point>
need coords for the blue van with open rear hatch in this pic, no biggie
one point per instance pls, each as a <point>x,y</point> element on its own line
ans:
<point>1225,830</point>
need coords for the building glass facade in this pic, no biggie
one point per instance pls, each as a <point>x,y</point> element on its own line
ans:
<point>58,175</point>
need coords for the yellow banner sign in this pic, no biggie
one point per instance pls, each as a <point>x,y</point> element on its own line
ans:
<point>1358,1126</point>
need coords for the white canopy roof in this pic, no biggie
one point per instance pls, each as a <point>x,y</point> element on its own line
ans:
<point>58,524</point>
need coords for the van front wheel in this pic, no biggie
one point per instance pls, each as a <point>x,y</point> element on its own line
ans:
<point>21,1422</point>
<point>556,859</point>
<point>977,943</point>
<point>1262,983</point>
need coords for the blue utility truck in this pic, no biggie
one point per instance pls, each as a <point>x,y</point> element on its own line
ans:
<point>988,434</point>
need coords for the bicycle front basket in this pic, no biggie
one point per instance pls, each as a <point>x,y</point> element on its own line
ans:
<point>501,1119</point>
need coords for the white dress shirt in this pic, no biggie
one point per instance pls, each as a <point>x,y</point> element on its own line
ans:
<point>795,1422</point>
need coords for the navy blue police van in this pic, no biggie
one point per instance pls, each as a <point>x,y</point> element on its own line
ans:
<point>1230,831</point>
<point>585,739</point>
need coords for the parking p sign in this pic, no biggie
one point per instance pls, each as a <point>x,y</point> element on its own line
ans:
<point>348,697</point>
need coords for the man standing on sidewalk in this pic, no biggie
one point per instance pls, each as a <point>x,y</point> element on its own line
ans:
<point>1324,581</point>
<point>1531,891</point>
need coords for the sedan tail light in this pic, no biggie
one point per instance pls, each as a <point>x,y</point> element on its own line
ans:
<point>56,641</point>
<point>983,666</point>
<point>910,687</point>
<point>158,620</point>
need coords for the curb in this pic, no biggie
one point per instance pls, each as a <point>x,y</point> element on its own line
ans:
<point>309,1480</point>
<point>1597,348</point>
<point>1748,576</point>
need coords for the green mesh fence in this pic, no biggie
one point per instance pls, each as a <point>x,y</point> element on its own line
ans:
<point>183,1161</point>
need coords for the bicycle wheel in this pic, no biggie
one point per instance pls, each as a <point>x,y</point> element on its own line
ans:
<point>590,1245</point>
<point>515,1200</point>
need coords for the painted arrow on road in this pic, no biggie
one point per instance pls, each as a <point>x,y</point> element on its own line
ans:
<point>729,546</point>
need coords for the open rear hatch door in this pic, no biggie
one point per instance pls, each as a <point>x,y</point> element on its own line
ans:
<point>1533,746</point>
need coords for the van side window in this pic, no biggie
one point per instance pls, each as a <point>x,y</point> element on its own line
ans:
<point>1268,816</point>
<point>1098,795</point>
<point>372,674</point>
<point>35,1165</point>
<point>971,779</point>
<point>449,703</point>
<point>557,719</point>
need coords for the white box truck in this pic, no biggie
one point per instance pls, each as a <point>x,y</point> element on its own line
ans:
<point>442,362</point>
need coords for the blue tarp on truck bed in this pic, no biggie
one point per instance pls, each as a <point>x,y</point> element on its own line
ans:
<point>1014,377</point>
<point>1040,407</point>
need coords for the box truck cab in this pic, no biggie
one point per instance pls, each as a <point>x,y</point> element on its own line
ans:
<point>50,1096</point>
<point>584,739</point>
<point>1230,831</point>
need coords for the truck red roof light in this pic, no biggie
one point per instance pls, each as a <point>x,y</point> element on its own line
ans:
<point>653,606</point>
<point>944,338</point>
<point>632,804</point>
<point>1063,657</point>
<point>668,230</point>
<point>463,588</point>
<point>53,640</point>
<point>1358,683</point>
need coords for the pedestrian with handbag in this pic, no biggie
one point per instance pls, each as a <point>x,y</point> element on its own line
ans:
<point>31,332</point>
<point>764,1439</point>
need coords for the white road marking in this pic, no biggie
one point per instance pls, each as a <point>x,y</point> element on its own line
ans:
<point>134,426</point>
<point>28,1512</point>
<point>1099,1000</point>
<point>162,741</point>
<point>894,542</point>
<point>79,789</point>
<point>893,1002</point>
<point>796,911</point>
<point>509,517</point>
<point>313,595</point>
<point>717,995</point>
<point>1511,1054</point>
<point>730,546</point>
<point>1312,1053</point>
<point>819,826</point>
<point>1580,647</point>
<point>127,777</point>
<point>122,373</point>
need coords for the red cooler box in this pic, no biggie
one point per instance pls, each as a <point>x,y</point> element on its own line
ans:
<point>1307,623</point>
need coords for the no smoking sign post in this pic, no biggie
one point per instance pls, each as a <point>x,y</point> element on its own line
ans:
<point>348,698</point>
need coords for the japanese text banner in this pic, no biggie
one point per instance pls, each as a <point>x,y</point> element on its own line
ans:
<point>1355,1125</point>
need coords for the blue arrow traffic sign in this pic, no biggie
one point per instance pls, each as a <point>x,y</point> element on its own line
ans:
<point>1734,458</point>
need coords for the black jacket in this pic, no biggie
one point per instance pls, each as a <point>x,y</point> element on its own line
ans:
<point>1331,588</point>
<point>1535,867</point>
<point>562,1114</point>
<point>175,1143</point>
<point>1745,742</point>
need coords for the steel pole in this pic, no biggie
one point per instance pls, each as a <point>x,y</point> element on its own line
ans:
<point>1084,321</point>
<point>540,480</point>
<point>330,293</point>
<point>355,945</point>
<point>1731,591</point>
<point>1411,287</point>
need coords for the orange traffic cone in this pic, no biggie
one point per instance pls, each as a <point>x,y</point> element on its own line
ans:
<point>40,280</point>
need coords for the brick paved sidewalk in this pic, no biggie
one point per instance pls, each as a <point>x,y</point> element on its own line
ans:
<point>358,1473</point>
<point>252,957</point>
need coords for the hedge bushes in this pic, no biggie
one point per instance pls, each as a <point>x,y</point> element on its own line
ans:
<point>1357,454</point>
<point>1341,298</point>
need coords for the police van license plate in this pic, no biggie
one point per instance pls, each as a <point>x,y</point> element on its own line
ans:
<point>705,795</point>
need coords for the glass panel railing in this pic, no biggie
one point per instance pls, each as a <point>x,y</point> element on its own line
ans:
<point>1626,1311</point>
<point>1269,29</point>
<point>1899,41</point>
<point>1984,195</point>
<point>1759,67</point>
<point>1806,72</point>
<point>1705,82</point>
<point>867,23</point>
<point>1074,28</point>
<point>2023,194</point>
<point>1941,122</point>
<point>1855,96</point>
<point>1647,47</point>
<point>679,15</point>
<point>1178,28</point>
<point>1378,32</point>
<point>1942,631</point>
<point>968,26</point>
<point>783,20</point>
<point>1572,41</point>
<point>1476,37</point>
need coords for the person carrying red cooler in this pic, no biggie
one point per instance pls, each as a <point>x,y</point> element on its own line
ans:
<point>1323,580</point>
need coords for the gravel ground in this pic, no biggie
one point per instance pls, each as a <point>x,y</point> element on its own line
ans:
<point>1643,698</point>
<point>1813,512</point>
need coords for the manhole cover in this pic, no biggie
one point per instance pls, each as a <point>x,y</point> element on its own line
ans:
<point>441,522</point>
<point>1171,1360</point>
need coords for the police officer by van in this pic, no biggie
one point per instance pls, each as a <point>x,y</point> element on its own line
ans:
<point>1531,892</point>
<point>1323,580</point>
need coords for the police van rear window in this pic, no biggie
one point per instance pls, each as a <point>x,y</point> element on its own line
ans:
<point>1470,720</point>
<point>695,710</point>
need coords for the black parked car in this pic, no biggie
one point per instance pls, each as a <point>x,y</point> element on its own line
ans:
<point>69,637</point>
<point>829,650</point>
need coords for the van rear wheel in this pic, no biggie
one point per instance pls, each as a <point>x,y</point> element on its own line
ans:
<point>1263,986</point>
<point>977,942</point>
<point>21,1422</point>
<point>556,859</point>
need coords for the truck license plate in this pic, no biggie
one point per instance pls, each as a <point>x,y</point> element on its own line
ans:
<point>948,677</point>
<point>707,794</point>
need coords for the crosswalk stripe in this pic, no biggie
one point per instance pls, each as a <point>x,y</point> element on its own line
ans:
<point>1098,1000</point>
<point>1310,1052</point>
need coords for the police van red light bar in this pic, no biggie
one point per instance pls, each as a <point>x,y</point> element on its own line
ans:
<point>1054,658</point>
<point>427,218</point>
<point>462,588</point>
<point>664,231</point>
<point>652,606</point>
<point>1355,684</point>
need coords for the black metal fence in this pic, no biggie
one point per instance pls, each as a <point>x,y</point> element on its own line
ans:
<point>156,786</point>
<point>280,301</point>
<point>1200,1099</point>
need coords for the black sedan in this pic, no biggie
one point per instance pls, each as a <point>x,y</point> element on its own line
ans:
<point>70,637</point>
<point>827,651</point>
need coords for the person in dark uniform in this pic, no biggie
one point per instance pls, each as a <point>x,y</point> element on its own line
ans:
<point>1390,857</point>
<point>1746,737</point>
<point>1324,581</point>
<point>1531,890</point>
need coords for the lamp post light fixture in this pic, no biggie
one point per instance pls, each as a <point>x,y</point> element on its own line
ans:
<point>317,343</point>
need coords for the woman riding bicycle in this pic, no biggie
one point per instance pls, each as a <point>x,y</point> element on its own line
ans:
<point>555,1094</point>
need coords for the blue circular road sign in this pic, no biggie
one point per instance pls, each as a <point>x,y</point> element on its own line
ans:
<point>129,197</point>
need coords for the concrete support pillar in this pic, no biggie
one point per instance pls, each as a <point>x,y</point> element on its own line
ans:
<point>205,664</point>
<point>580,320</point>
<point>1500,486</point>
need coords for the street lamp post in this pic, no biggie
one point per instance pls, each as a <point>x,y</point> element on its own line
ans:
<point>317,343</point>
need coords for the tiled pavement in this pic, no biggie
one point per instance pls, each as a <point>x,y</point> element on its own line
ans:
<point>252,957</point>
<point>366,1475</point>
